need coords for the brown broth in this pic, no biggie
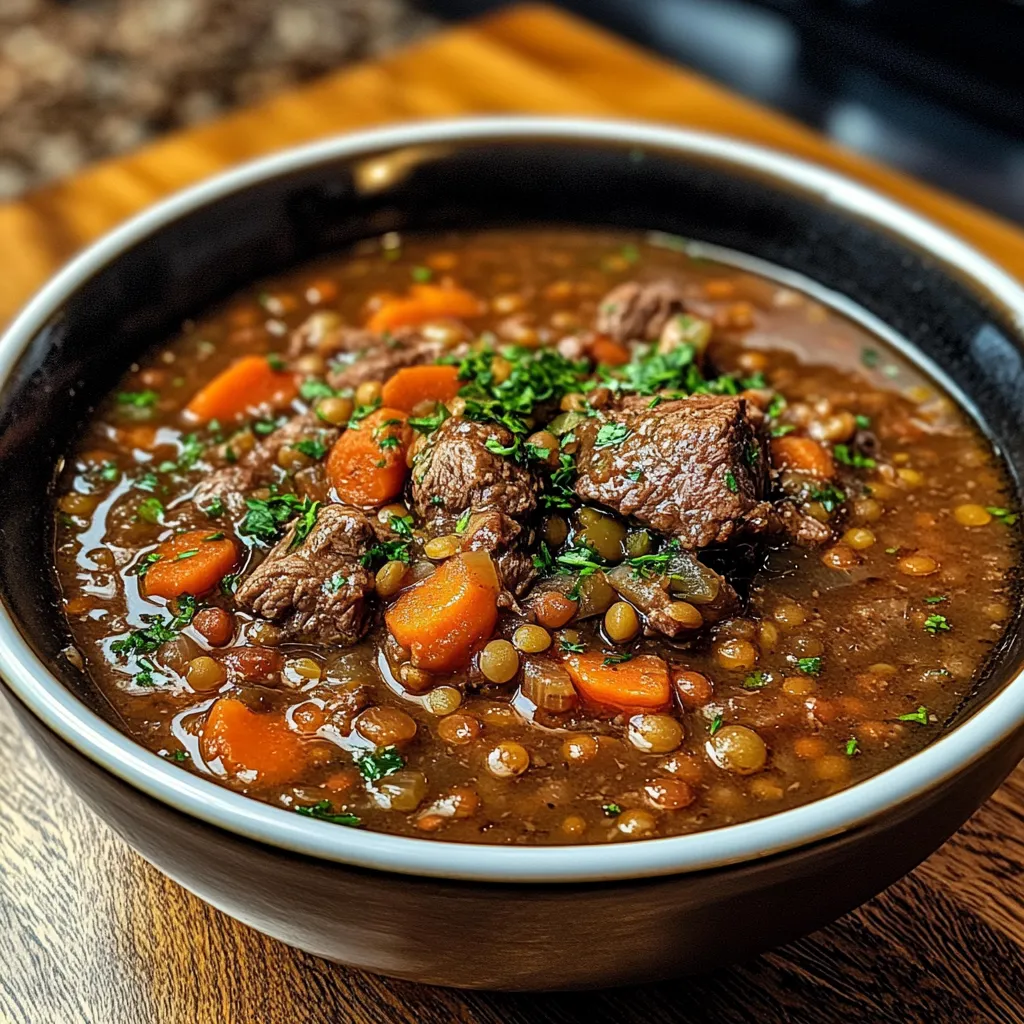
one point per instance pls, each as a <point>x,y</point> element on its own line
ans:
<point>843,654</point>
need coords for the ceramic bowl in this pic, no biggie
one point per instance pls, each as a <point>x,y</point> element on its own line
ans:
<point>467,914</point>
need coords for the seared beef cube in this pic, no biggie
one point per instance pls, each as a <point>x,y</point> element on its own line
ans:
<point>259,465</point>
<point>693,468</point>
<point>508,542</point>
<point>639,312</point>
<point>324,333</point>
<point>317,590</point>
<point>803,529</point>
<point>455,471</point>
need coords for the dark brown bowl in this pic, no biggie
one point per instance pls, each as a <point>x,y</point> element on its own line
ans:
<point>468,914</point>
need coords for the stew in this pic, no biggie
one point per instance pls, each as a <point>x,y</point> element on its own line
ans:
<point>532,536</point>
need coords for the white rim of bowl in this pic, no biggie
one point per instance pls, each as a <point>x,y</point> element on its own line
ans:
<point>44,695</point>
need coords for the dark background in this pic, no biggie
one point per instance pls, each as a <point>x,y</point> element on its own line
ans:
<point>933,87</point>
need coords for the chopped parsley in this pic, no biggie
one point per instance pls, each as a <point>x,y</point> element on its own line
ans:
<point>157,631</point>
<point>730,481</point>
<point>862,421</point>
<point>559,491</point>
<point>335,582</point>
<point>617,658</point>
<point>275,361</point>
<point>492,444</point>
<point>264,427</point>
<point>852,747</point>
<point>462,523</point>
<point>311,448</point>
<point>537,376</point>
<point>829,497</point>
<point>428,424</point>
<point>142,566</point>
<point>360,412</point>
<point>228,584</point>
<point>421,274</point>
<point>937,624</point>
<point>266,518</point>
<point>178,756</point>
<point>782,429</point>
<point>182,555</point>
<point>611,434</point>
<point>851,457</point>
<point>110,472</point>
<point>920,716</point>
<point>138,399</point>
<point>716,724</point>
<point>572,646</point>
<point>215,508</point>
<point>384,762</point>
<point>756,681</point>
<point>635,475</point>
<point>809,666</point>
<point>389,551</point>
<point>150,510</point>
<point>313,389</point>
<point>936,599</point>
<point>611,810</point>
<point>402,525</point>
<point>324,811</point>
<point>1004,515</point>
<point>869,357</point>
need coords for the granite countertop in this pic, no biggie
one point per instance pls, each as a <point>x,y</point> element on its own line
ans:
<point>81,80</point>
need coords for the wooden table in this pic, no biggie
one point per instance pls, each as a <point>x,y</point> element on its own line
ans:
<point>91,933</point>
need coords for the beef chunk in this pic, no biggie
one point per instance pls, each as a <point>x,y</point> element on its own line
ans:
<point>509,543</point>
<point>639,312</point>
<point>788,520</point>
<point>455,471</point>
<point>258,466</point>
<point>318,590</point>
<point>694,468</point>
<point>324,333</point>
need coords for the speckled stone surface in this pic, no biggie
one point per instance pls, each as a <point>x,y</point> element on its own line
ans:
<point>85,79</point>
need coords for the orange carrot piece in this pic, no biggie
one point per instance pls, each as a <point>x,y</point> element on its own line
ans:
<point>803,455</point>
<point>425,302</point>
<point>443,619</point>
<point>414,384</point>
<point>367,463</point>
<point>611,353</point>
<point>259,745</point>
<point>190,563</point>
<point>641,682</point>
<point>248,383</point>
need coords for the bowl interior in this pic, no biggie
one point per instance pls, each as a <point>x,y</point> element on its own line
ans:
<point>140,295</point>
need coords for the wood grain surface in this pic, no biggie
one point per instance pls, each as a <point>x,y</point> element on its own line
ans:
<point>90,934</point>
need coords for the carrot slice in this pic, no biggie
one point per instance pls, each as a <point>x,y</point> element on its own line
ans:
<point>443,619</point>
<point>248,383</point>
<point>190,563</point>
<point>641,682</point>
<point>803,455</point>
<point>367,463</point>
<point>260,746</point>
<point>611,353</point>
<point>414,384</point>
<point>425,302</point>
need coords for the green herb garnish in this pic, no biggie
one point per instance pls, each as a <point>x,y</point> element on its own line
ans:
<point>809,666</point>
<point>920,716</point>
<point>324,811</point>
<point>384,762</point>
